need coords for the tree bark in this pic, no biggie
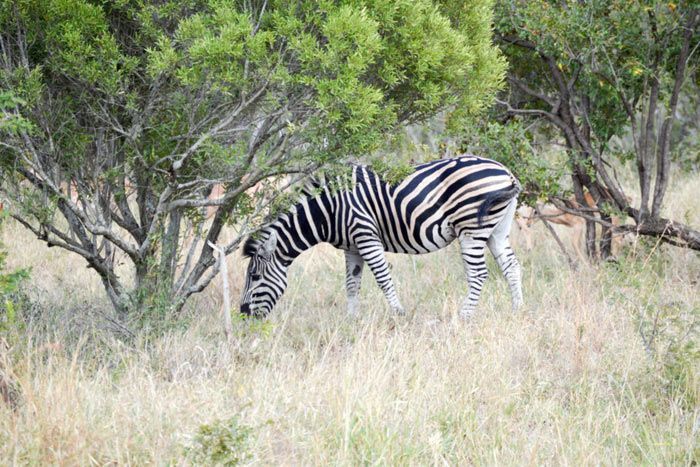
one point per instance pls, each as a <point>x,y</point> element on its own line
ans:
<point>591,250</point>
<point>169,252</point>
<point>669,231</point>
<point>606,238</point>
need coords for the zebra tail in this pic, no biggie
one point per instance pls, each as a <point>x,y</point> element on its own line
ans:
<point>497,197</point>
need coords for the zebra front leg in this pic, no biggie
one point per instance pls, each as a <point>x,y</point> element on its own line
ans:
<point>373,254</point>
<point>475,267</point>
<point>353,276</point>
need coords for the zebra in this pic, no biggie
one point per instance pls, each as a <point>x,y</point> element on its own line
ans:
<point>469,198</point>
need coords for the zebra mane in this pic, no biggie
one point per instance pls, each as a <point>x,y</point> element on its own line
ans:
<point>310,188</point>
<point>256,241</point>
<point>250,247</point>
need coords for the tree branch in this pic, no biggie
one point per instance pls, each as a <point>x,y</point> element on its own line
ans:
<point>662,156</point>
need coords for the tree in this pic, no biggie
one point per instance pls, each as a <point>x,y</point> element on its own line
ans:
<point>118,119</point>
<point>599,69</point>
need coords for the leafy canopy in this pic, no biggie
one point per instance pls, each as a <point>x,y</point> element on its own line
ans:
<point>360,67</point>
<point>609,50</point>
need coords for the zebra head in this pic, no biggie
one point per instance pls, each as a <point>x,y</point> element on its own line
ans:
<point>266,277</point>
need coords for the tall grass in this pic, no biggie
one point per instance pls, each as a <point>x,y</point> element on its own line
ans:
<point>598,368</point>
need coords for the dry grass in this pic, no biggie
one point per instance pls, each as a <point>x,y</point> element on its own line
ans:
<point>567,381</point>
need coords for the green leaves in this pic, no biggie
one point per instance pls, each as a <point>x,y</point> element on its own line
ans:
<point>610,46</point>
<point>215,46</point>
<point>363,66</point>
<point>10,121</point>
<point>163,58</point>
<point>10,283</point>
<point>353,41</point>
<point>223,442</point>
<point>81,46</point>
<point>513,145</point>
<point>340,74</point>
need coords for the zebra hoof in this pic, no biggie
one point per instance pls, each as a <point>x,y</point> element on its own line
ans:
<point>517,304</point>
<point>398,310</point>
<point>352,311</point>
<point>466,315</point>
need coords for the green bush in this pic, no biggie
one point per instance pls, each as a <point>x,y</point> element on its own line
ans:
<point>223,442</point>
<point>9,288</point>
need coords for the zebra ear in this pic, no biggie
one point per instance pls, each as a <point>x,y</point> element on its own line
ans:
<point>268,246</point>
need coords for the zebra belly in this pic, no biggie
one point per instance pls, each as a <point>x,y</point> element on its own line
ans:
<point>420,241</point>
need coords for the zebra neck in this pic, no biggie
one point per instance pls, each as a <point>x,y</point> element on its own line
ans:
<point>303,227</point>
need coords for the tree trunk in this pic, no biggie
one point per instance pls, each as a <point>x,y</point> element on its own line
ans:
<point>168,260</point>
<point>579,182</point>
<point>116,296</point>
<point>606,238</point>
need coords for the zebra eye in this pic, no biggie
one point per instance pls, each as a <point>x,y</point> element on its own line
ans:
<point>255,277</point>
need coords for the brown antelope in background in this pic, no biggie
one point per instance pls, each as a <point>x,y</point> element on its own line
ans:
<point>526,216</point>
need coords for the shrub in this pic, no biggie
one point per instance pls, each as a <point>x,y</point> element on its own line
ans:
<point>223,442</point>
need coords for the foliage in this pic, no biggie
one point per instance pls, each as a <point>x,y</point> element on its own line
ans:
<point>392,172</point>
<point>598,71</point>
<point>221,443</point>
<point>118,120</point>
<point>9,286</point>
<point>516,147</point>
<point>245,326</point>
<point>609,46</point>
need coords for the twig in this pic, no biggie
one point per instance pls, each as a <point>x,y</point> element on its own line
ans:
<point>226,312</point>
<point>572,263</point>
<point>120,326</point>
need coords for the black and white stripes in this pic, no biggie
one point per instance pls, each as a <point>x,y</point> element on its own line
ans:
<point>469,198</point>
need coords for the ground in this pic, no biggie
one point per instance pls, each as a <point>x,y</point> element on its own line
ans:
<point>599,367</point>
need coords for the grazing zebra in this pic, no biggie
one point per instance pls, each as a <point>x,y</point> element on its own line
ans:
<point>469,198</point>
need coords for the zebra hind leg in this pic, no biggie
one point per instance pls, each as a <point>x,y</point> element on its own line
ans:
<point>353,276</point>
<point>510,267</point>
<point>475,267</point>
<point>499,244</point>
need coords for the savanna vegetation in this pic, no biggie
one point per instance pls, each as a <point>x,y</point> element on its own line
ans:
<point>132,132</point>
<point>119,119</point>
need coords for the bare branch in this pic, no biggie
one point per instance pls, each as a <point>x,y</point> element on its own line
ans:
<point>553,233</point>
<point>531,92</point>
<point>223,123</point>
<point>226,305</point>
